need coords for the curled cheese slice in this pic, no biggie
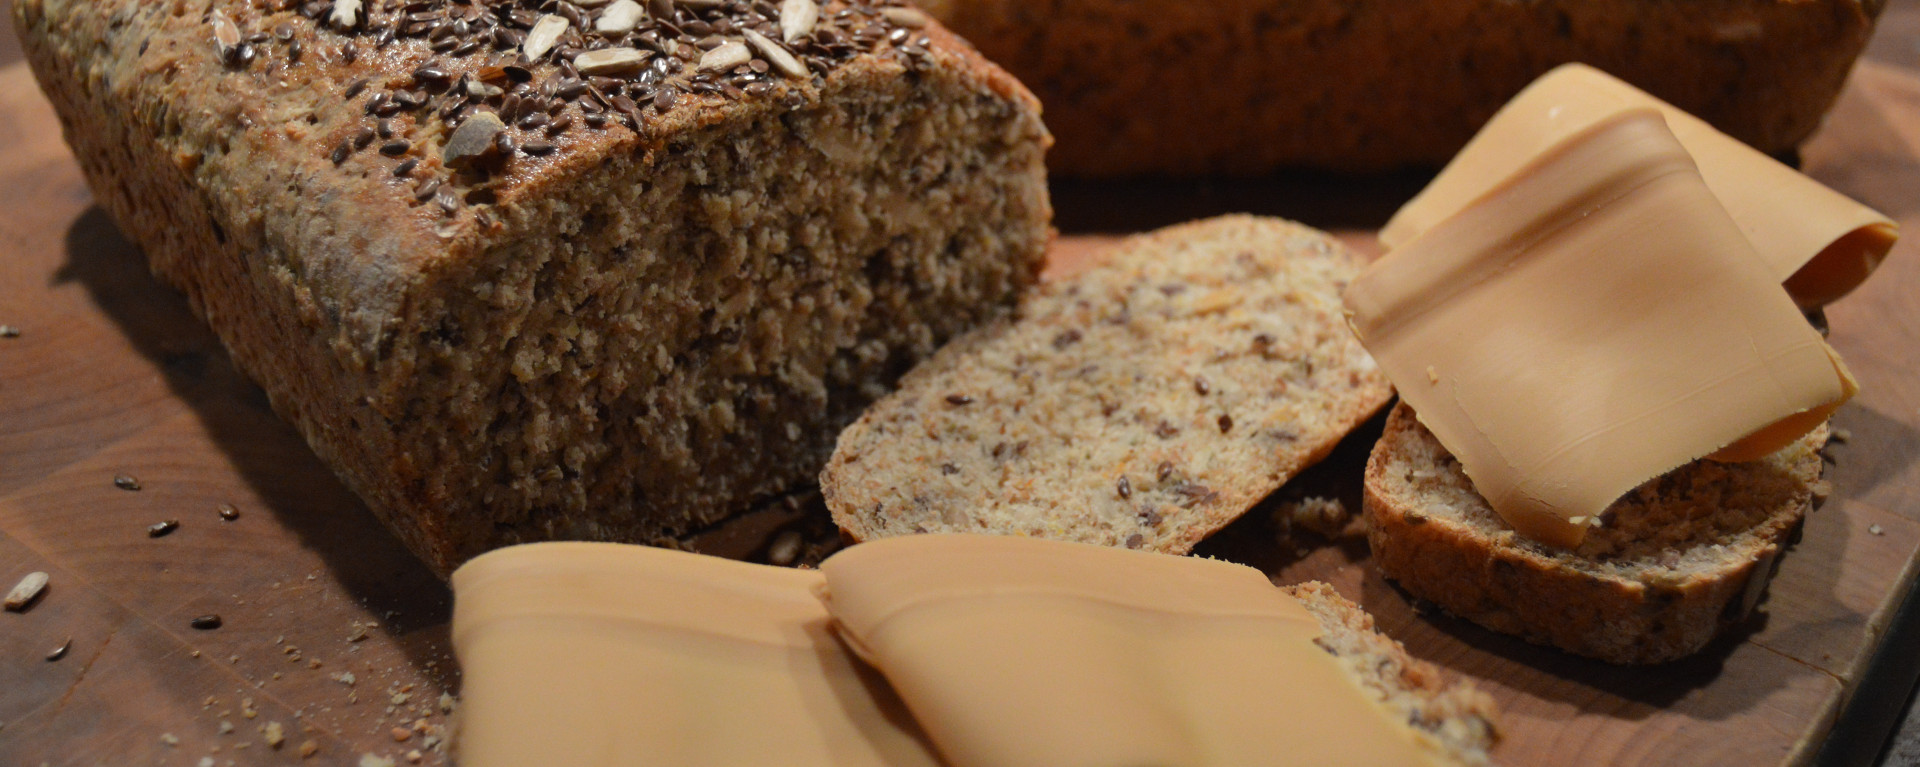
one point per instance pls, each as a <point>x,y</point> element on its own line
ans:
<point>602,654</point>
<point>1592,322</point>
<point>1016,651</point>
<point>1816,241</point>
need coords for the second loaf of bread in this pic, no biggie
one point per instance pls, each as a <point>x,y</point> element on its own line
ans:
<point>1244,86</point>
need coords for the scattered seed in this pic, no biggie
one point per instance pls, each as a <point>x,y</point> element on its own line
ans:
<point>1164,471</point>
<point>126,482</point>
<point>207,622</point>
<point>959,399</point>
<point>162,528</point>
<point>61,651</point>
<point>169,739</point>
<point>1124,487</point>
<point>1226,423</point>
<point>785,549</point>
<point>405,167</point>
<point>9,331</point>
<point>1200,385</point>
<point>26,591</point>
<point>396,147</point>
<point>1841,436</point>
<point>1876,530</point>
<point>1134,541</point>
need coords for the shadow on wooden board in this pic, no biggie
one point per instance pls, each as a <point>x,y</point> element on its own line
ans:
<point>264,451</point>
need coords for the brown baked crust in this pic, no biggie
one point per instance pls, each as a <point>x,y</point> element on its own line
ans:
<point>567,352</point>
<point>1377,84</point>
<point>1678,561</point>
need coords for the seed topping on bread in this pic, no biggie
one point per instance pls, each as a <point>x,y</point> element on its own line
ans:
<point>533,73</point>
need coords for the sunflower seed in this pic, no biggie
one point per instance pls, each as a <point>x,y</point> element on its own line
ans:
<point>723,58</point>
<point>776,55</point>
<point>545,33</point>
<point>472,139</point>
<point>797,18</point>
<point>27,590</point>
<point>619,18</point>
<point>608,61</point>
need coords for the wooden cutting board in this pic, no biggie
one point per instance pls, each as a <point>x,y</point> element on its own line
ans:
<point>334,636</point>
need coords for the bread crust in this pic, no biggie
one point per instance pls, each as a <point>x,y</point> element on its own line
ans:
<point>1364,85</point>
<point>1431,534</point>
<point>556,355</point>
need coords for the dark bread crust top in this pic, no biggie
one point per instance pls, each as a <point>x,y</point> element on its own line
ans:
<point>321,142</point>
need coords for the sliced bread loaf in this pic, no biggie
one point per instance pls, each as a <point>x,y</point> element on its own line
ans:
<point>1455,714</point>
<point>1145,402</point>
<point>1673,563</point>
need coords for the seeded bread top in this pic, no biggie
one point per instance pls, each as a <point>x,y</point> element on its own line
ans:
<point>366,143</point>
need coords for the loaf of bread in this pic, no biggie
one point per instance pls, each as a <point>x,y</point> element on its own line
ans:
<point>1245,86</point>
<point>525,270</point>
<point>1144,403</point>
<point>1676,562</point>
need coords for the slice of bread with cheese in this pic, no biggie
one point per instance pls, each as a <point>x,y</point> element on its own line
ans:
<point>1145,402</point>
<point>1672,564</point>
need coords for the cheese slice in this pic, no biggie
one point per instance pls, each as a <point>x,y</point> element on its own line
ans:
<point>1590,323</point>
<point>601,654</point>
<point>1816,241</point>
<point>1017,651</point>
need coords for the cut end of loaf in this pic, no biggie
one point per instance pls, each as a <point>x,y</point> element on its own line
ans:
<point>1677,561</point>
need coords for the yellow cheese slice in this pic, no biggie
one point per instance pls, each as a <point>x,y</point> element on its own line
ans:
<point>599,654</point>
<point>1017,651</point>
<point>1592,322</point>
<point>1816,241</point>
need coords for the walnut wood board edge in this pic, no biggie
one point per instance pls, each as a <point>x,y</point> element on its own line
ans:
<point>113,376</point>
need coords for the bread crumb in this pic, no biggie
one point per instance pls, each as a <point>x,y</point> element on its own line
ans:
<point>169,739</point>
<point>275,734</point>
<point>1876,530</point>
<point>373,760</point>
<point>309,748</point>
<point>1326,516</point>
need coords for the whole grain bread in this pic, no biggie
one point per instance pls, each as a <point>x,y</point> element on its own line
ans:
<point>1676,562</point>
<point>609,284</point>
<point>1244,86</point>
<point>1145,402</point>
<point>1456,715</point>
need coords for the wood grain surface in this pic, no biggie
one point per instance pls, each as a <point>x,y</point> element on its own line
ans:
<point>111,375</point>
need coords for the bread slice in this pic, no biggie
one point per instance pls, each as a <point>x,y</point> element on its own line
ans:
<point>1145,402</point>
<point>1456,715</point>
<point>1678,560</point>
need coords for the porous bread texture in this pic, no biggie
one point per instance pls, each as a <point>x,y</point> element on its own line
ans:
<point>1676,561</point>
<point>1244,86</point>
<point>1456,716</point>
<point>1144,403</point>
<point>637,335</point>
